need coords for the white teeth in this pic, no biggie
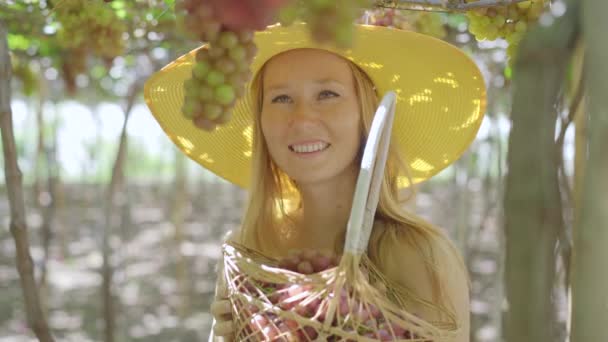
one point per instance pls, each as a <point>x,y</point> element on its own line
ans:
<point>309,147</point>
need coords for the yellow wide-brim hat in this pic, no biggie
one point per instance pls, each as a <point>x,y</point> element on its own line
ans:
<point>441,99</point>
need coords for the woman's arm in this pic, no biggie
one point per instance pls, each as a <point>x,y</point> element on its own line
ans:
<point>457,290</point>
<point>220,289</point>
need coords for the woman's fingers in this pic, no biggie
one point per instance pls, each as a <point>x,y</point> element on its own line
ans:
<point>222,289</point>
<point>220,307</point>
<point>221,310</point>
<point>225,328</point>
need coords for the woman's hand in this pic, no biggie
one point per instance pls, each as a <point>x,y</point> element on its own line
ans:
<point>222,312</point>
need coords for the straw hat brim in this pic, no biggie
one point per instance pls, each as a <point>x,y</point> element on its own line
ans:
<point>441,99</point>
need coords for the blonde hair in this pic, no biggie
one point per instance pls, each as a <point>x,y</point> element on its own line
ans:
<point>273,196</point>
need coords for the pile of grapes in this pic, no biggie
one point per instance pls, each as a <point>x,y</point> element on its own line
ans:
<point>509,22</point>
<point>359,317</point>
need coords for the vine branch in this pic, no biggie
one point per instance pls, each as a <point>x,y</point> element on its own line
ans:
<point>442,5</point>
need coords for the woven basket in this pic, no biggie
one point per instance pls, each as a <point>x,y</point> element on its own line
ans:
<point>270,303</point>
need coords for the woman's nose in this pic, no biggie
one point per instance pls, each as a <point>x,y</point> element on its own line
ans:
<point>303,112</point>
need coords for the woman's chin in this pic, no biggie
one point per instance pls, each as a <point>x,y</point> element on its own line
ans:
<point>309,179</point>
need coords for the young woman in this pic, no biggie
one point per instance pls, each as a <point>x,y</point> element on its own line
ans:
<point>304,124</point>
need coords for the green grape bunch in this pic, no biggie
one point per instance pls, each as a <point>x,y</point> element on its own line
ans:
<point>430,23</point>
<point>509,22</point>
<point>86,27</point>
<point>330,21</point>
<point>222,66</point>
<point>90,25</point>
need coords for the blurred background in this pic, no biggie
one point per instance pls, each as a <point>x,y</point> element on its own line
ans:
<point>123,227</point>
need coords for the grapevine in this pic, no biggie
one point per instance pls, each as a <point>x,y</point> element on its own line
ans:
<point>429,23</point>
<point>388,17</point>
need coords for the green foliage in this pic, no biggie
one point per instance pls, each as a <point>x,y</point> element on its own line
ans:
<point>38,39</point>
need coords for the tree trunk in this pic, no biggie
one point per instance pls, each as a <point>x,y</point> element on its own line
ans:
<point>40,198</point>
<point>178,216</point>
<point>590,280</point>
<point>115,198</point>
<point>39,157</point>
<point>533,211</point>
<point>47,198</point>
<point>580,156</point>
<point>13,178</point>
<point>463,198</point>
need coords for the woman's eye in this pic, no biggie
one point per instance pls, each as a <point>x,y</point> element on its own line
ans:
<point>327,94</point>
<point>280,99</point>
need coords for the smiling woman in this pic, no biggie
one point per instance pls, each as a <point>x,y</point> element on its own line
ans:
<point>311,121</point>
<point>310,110</point>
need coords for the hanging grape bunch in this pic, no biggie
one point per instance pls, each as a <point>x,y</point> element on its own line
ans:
<point>23,72</point>
<point>509,22</point>
<point>363,319</point>
<point>331,21</point>
<point>73,63</point>
<point>430,23</point>
<point>79,21</point>
<point>221,69</point>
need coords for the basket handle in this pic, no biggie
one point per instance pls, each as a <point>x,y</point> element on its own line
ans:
<point>365,199</point>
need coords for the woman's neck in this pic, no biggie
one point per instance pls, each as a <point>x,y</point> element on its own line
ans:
<point>325,212</point>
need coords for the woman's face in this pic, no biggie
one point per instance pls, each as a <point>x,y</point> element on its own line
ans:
<point>310,115</point>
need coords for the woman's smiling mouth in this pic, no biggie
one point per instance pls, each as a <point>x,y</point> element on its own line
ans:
<point>309,148</point>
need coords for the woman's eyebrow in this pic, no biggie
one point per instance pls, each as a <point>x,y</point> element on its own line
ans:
<point>319,81</point>
<point>332,81</point>
<point>276,87</point>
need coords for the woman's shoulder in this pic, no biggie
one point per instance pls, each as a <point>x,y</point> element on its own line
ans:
<point>419,249</point>
<point>232,235</point>
<point>421,238</point>
<point>416,256</point>
<point>430,266</point>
